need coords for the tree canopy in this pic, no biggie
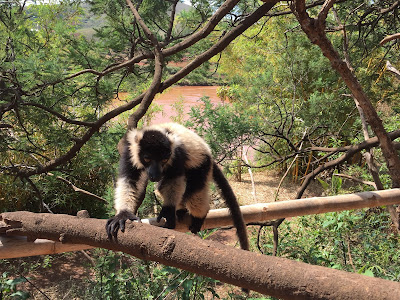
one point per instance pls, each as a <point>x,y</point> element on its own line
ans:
<point>64,63</point>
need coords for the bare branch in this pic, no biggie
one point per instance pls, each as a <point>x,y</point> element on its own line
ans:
<point>323,13</point>
<point>171,21</point>
<point>79,190</point>
<point>345,40</point>
<point>371,183</point>
<point>370,143</point>
<point>389,38</point>
<point>351,150</point>
<point>289,167</point>
<point>146,30</point>
<point>5,126</point>
<point>390,8</point>
<point>253,187</point>
<point>392,69</point>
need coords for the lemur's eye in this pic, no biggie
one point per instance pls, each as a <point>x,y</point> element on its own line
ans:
<point>164,160</point>
<point>146,159</point>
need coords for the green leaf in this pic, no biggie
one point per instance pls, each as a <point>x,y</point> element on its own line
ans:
<point>368,273</point>
<point>324,184</point>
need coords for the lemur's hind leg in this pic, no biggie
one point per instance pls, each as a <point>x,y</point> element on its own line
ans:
<point>170,190</point>
<point>198,205</point>
<point>196,224</point>
<point>180,213</point>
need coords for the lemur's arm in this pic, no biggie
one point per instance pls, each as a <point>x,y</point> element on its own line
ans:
<point>129,194</point>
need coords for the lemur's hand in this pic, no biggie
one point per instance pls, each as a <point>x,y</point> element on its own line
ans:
<point>118,222</point>
<point>168,212</point>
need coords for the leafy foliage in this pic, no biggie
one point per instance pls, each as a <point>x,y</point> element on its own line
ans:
<point>53,98</point>
<point>9,288</point>
<point>274,70</point>
<point>119,276</point>
<point>39,48</point>
<point>355,241</point>
<point>224,127</point>
<point>286,91</point>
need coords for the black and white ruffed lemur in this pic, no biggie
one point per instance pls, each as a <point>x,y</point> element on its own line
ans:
<point>181,162</point>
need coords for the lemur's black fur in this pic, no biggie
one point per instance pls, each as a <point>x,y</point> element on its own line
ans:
<point>181,162</point>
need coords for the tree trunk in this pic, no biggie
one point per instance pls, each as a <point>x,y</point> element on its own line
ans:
<point>369,158</point>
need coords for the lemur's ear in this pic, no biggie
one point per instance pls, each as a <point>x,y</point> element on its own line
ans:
<point>134,135</point>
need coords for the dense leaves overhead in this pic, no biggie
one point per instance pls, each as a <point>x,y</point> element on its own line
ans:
<point>63,63</point>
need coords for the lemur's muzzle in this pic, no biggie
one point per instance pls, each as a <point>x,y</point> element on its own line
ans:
<point>155,171</point>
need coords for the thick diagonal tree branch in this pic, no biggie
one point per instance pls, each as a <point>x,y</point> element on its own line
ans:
<point>369,158</point>
<point>275,276</point>
<point>158,67</point>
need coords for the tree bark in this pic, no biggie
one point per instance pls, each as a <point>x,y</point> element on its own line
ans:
<point>275,276</point>
<point>252,214</point>
<point>392,69</point>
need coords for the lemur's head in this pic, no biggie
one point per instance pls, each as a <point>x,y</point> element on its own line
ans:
<point>152,150</point>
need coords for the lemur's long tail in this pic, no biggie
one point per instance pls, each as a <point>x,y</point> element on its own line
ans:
<point>233,205</point>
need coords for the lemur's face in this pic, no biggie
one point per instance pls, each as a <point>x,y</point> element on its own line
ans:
<point>155,152</point>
